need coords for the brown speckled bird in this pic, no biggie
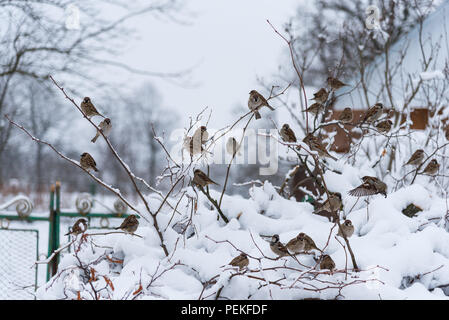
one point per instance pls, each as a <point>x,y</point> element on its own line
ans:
<point>335,84</point>
<point>89,109</point>
<point>332,204</point>
<point>416,159</point>
<point>201,135</point>
<point>130,224</point>
<point>373,113</point>
<point>240,261</point>
<point>316,145</point>
<point>321,95</point>
<point>277,247</point>
<point>257,101</point>
<point>201,179</point>
<point>315,108</point>
<point>346,115</point>
<point>369,187</point>
<point>384,126</point>
<point>326,262</point>
<point>348,229</point>
<point>77,229</point>
<point>296,245</point>
<point>105,127</point>
<point>287,134</point>
<point>87,162</point>
<point>309,244</point>
<point>432,167</point>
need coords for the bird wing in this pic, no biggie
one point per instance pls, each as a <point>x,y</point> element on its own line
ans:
<point>363,191</point>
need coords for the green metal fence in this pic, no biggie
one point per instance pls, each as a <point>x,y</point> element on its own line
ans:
<point>83,205</point>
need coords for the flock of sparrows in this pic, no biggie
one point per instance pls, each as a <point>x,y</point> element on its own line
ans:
<point>129,225</point>
<point>87,162</point>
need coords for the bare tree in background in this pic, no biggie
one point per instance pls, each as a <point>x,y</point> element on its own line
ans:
<point>36,42</point>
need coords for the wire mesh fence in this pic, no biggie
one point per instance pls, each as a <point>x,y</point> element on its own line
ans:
<point>18,274</point>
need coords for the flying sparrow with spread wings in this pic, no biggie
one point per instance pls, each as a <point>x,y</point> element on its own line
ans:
<point>369,187</point>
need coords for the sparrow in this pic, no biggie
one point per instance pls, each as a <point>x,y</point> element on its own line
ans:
<point>335,84</point>
<point>346,115</point>
<point>369,187</point>
<point>76,229</point>
<point>201,179</point>
<point>332,204</point>
<point>89,109</point>
<point>232,146</point>
<point>416,158</point>
<point>315,145</point>
<point>240,261</point>
<point>347,228</point>
<point>201,135</point>
<point>326,262</point>
<point>287,134</point>
<point>296,245</point>
<point>384,126</point>
<point>87,162</point>
<point>373,113</point>
<point>277,247</point>
<point>130,224</point>
<point>105,127</point>
<point>257,101</point>
<point>432,167</point>
<point>309,244</point>
<point>321,95</point>
<point>315,108</point>
<point>193,146</point>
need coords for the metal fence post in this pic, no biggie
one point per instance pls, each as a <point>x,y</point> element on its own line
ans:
<point>50,230</point>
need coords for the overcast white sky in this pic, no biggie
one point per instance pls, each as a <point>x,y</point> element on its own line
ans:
<point>233,43</point>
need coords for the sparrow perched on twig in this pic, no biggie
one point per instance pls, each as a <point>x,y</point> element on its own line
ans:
<point>384,126</point>
<point>296,245</point>
<point>201,179</point>
<point>89,109</point>
<point>309,244</point>
<point>369,187</point>
<point>241,261</point>
<point>77,229</point>
<point>316,145</point>
<point>346,115</point>
<point>315,108</point>
<point>105,127</point>
<point>287,134</point>
<point>87,162</point>
<point>277,247</point>
<point>130,224</point>
<point>232,146</point>
<point>335,84</point>
<point>201,135</point>
<point>257,101</point>
<point>432,167</point>
<point>373,113</point>
<point>332,204</point>
<point>326,262</point>
<point>347,228</point>
<point>416,158</point>
<point>321,95</point>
